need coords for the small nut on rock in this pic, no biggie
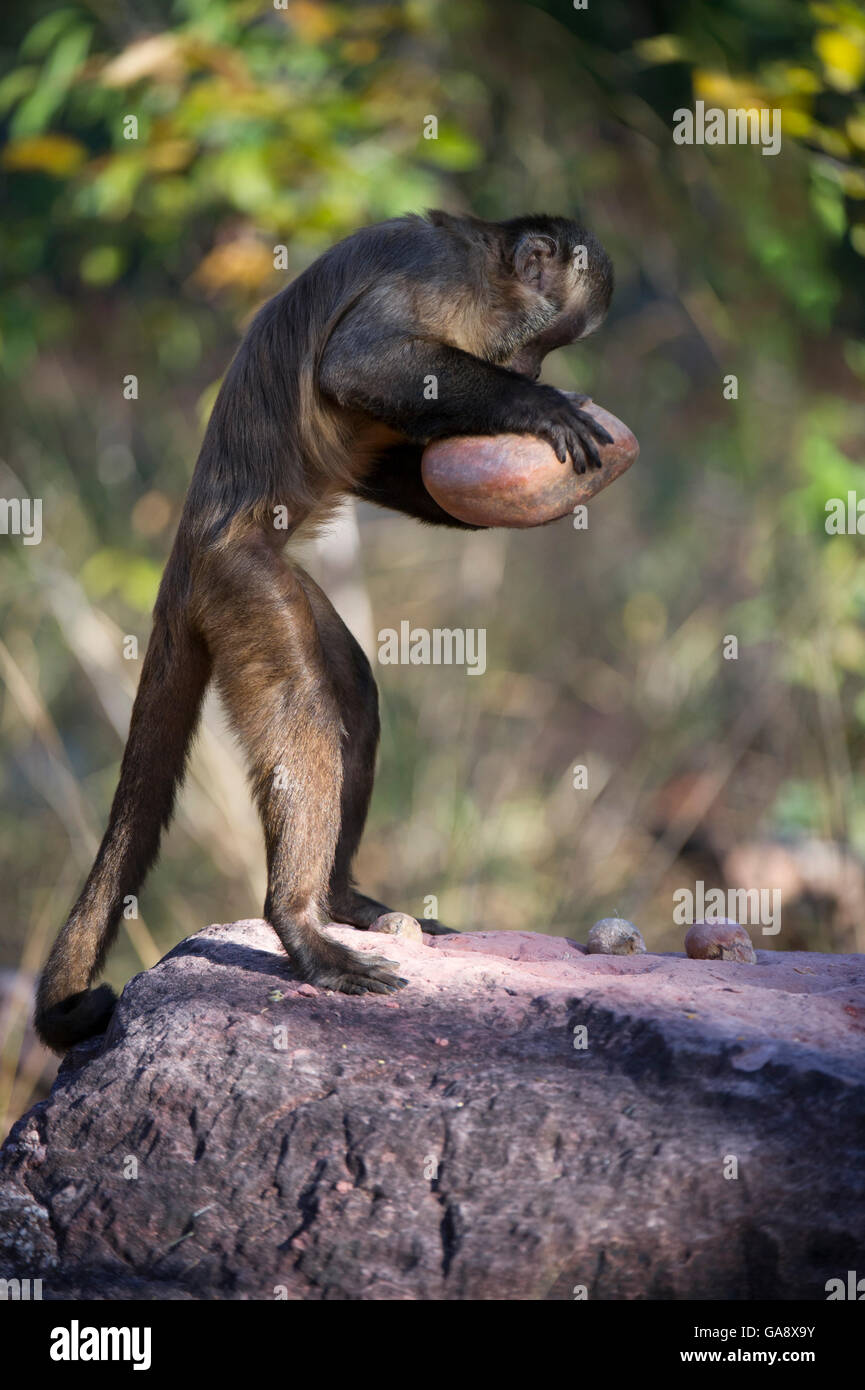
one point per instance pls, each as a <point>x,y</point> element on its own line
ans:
<point>724,940</point>
<point>614,936</point>
<point>398,924</point>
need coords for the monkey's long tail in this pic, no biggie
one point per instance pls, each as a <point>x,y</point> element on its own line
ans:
<point>174,677</point>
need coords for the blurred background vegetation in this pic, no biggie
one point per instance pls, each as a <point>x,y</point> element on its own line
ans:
<point>261,126</point>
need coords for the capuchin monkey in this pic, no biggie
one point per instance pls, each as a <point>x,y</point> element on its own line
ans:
<point>413,330</point>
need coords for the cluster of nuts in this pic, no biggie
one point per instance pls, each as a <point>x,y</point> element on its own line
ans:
<point>722,940</point>
<point>616,936</point>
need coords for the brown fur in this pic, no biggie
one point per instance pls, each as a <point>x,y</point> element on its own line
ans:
<point>324,397</point>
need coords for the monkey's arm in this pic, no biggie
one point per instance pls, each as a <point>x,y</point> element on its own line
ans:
<point>395,482</point>
<point>429,390</point>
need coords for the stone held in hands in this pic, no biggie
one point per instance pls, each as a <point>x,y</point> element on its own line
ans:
<point>516,480</point>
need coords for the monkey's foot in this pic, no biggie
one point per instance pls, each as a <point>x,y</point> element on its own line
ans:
<point>436,928</point>
<point>352,972</point>
<point>355,909</point>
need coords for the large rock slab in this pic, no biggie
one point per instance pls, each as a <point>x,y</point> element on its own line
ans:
<point>238,1134</point>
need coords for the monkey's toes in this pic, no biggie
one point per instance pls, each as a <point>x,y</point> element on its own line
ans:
<point>377,962</point>
<point>376,982</point>
<point>359,973</point>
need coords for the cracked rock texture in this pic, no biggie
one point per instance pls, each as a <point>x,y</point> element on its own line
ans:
<point>237,1134</point>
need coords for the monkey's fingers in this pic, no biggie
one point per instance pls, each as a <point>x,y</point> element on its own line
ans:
<point>596,428</point>
<point>590,449</point>
<point>557,438</point>
<point>582,450</point>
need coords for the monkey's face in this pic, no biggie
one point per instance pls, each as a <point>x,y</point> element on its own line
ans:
<point>569,271</point>
<point>577,320</point>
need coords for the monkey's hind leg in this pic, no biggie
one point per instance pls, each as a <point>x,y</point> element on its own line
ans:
<point>354,687</point>
<point>356,693</point>
<point>272,673</point>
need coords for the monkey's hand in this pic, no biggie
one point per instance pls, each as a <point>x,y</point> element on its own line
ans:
<point>567,428</point>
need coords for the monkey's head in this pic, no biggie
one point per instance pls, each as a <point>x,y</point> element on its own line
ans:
<point>564,276</point>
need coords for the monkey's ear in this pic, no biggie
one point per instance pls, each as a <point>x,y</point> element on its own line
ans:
<point>533,257</point>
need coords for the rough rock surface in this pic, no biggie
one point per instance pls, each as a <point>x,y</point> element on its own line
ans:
<point>452,1142</point>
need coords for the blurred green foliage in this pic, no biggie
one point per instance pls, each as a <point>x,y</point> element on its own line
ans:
<point>260,127</point>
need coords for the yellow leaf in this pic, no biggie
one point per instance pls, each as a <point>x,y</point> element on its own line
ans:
<point>853,182</point>
<point>243,263</point>
<point>843,57</point>
<point>312,21</point>
<point>661,48</point>
<point>856,127</point>
<point>795,122</point>
<point>830,140</point>
<point>360,51</point>
<point>59,155</point>
<point>802,80</point>
<point>159,56</point>
<point>720,89</point>
<point>167,156</point>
